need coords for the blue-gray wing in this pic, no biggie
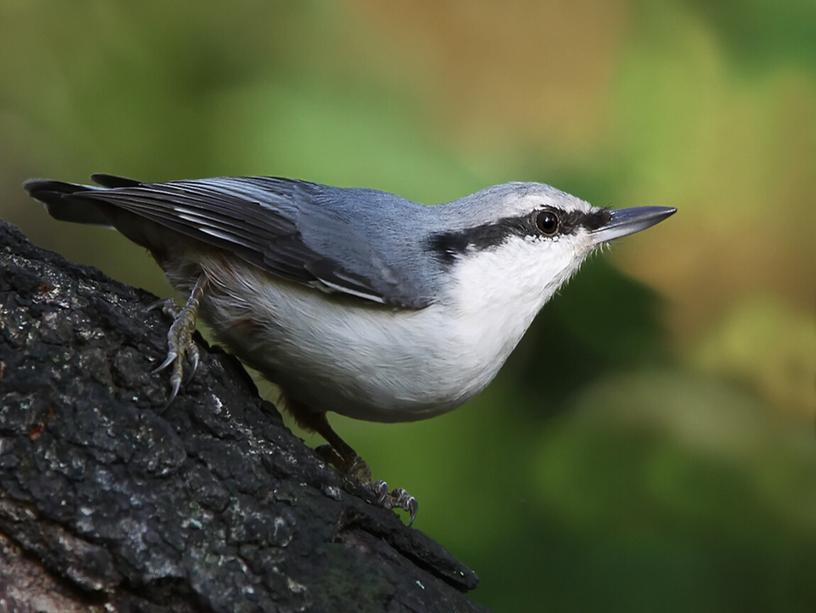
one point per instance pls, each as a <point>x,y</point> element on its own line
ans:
<point>261,220</point>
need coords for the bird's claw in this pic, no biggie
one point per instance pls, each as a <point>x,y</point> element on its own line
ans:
<point>171,356</point>
<point>380,489</point>
<point>398,498</point>
<point>356,471</point>
<point>194,357</point>
<point>181,347</point>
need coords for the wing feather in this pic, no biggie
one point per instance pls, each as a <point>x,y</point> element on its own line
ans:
<point>257,219</point>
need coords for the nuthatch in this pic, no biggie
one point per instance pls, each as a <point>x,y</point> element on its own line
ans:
<point>353,300</point>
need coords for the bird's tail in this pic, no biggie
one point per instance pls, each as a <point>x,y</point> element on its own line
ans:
<point>61,201</point>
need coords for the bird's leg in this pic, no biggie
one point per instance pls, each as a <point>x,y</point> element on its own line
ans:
<point>180,344</point>
<point>339,454</point>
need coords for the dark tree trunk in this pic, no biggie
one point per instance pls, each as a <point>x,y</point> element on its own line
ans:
<point>109,499</point>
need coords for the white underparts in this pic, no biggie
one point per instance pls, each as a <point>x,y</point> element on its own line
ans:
<point>370,362</point>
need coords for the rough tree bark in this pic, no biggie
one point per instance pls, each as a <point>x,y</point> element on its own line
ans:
<point>110,501</point>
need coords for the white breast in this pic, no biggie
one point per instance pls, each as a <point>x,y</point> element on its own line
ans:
<point>369,362</point>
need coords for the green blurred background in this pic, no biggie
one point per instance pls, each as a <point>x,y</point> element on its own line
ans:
<point>650,445</point>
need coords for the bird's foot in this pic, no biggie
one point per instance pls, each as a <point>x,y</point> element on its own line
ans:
<point>181,347</point>
<point>397,498</point>
<point>357,471</point>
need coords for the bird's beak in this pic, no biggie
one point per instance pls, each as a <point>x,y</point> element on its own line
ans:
<point>628,221</point>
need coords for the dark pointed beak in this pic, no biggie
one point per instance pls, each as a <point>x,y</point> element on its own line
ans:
<point>623,222</point>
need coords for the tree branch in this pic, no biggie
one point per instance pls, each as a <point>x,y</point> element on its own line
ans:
<point>109,499</point>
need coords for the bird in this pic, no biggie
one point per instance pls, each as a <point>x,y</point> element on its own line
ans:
<point>352,300</point>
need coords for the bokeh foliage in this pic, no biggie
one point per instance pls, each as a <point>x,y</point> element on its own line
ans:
<point>650,445</point>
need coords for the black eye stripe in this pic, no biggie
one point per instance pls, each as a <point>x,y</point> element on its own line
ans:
<point>449,245</point>
<point>590,221</point>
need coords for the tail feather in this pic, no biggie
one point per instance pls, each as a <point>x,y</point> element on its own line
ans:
<point>58,198</point>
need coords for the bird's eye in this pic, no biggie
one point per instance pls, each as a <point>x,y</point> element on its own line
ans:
<point>547,222</point>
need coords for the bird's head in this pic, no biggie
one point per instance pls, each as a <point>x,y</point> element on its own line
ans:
<point>521,241</point>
